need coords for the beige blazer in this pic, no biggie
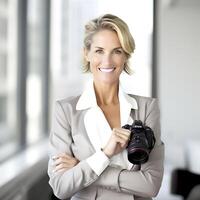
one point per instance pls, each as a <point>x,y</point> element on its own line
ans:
<point>73,134</point>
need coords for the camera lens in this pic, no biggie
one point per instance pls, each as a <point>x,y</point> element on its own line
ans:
<point>137,156</point>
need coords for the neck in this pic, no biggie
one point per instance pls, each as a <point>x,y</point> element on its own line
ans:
<point>106,94</point>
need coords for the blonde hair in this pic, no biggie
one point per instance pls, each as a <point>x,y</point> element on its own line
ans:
<point>113,23</point>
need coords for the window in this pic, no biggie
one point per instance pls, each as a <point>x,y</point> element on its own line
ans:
<point>24,61</point>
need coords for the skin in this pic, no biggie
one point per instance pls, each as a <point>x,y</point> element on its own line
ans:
<point>106,58</point>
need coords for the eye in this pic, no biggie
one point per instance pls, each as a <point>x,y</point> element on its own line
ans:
<point>99,51</point>
<point>118,51</point>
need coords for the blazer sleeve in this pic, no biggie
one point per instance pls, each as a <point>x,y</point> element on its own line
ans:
<point>65,184</point>
<point>147,181</point>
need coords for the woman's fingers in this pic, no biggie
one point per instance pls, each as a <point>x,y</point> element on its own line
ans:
<point>63,161</point>
<point>123,133</point>
<point>62,155</point>
<point>122,136</point>
<point>61,167</point>
<point>66,161</point>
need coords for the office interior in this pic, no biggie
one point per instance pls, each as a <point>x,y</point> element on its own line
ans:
<point>40,62</point>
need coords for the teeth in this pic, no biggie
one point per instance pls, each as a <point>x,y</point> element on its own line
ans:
<point>107,70</point>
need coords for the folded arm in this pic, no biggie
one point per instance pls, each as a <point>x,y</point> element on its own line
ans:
<point>66,182</point>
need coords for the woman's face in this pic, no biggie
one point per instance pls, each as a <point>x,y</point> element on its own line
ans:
<point>106,57</point>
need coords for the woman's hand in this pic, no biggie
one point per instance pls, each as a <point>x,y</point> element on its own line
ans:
<point>117,142</point>
<point>64,162</point>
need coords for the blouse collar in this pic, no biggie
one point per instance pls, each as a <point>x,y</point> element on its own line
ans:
<point>88,98</point>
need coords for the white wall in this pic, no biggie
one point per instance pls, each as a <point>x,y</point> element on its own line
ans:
<point>179,75</point>
<point>67,41</point>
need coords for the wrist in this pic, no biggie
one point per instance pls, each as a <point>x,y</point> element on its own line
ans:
<point>106,153</point>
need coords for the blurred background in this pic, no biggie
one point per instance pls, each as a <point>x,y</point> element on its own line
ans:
<point>40,61</point>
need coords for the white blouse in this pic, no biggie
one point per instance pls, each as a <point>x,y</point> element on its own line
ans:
<point>99,131</point>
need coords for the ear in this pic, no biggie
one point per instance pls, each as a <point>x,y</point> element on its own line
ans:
<point>86,52</point>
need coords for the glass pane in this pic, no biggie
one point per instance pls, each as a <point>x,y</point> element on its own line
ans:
<point>8,79</point>
<point>36,62</point>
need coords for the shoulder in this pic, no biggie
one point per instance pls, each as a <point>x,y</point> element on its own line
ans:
<point>72,100</point>
<point>67,104</point>
<point>146,105</point>
<point>143,100</point>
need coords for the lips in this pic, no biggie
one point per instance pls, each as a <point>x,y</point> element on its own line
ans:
<point>106,69</point>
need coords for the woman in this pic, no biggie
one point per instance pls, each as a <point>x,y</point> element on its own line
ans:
<point>88,146</point>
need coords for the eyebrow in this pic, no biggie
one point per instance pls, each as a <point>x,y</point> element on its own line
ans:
<point>113,49</point>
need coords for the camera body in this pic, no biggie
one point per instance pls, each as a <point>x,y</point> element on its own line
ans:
<point>141,142</point>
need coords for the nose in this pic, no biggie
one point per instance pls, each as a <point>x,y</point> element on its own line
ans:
<point>107,60</point>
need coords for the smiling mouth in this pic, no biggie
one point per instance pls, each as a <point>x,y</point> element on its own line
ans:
<point>107,70</point>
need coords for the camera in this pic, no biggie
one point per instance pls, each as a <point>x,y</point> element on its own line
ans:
<point>141,142</point>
